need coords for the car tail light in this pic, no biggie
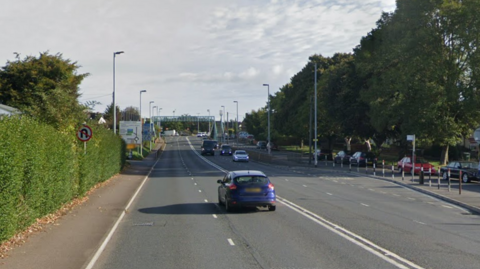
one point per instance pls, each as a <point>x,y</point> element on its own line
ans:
<point>361,158</point>
<point>271,186</point>
<point>232,187</point>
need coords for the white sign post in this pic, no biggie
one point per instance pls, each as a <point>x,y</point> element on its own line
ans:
<point>412,138</point>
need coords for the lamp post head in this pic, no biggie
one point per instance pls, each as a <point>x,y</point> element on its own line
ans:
<point>266,85</point>
<point>118,52</point>
<point>143,91</point>
<point>235,102</point>
<point>152,102</point>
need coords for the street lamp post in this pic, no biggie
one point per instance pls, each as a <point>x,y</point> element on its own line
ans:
<point>236,130</point>
<point>150,122</point>
<point>153,114</point>
<point>268,101</point>
<point>223,128</point>
<point>141,123</point>
<point>159,120</point>
<point>198,123</point>
<point>114,101</point>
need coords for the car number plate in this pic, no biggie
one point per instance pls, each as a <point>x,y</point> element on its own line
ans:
<point>252,189</point>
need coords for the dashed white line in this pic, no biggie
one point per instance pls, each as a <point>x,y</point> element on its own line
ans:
<point>195,184</point>
<point>199,190</point>
<point>329,193</point>
<point>214,216</point>
<point>304,186</point>
<point>206,201</point>
<point>410,198</point>
<point>371,189</point>
<point>230,241</point>
<point>447,206</point>
<point>286,179</point>
<point>364,204</point>
<point>396,195</point>
<point>419,222</point>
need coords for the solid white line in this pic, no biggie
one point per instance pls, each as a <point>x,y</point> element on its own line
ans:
<point>230,241</point>
<point>114,228</point>
<point>352,237</point>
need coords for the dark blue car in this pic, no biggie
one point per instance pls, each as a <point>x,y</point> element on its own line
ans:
<point>246,188</point>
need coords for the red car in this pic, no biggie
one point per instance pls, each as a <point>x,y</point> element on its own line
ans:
<point>406,164</point>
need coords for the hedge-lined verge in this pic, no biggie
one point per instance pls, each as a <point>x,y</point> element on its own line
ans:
<point>41,169</point>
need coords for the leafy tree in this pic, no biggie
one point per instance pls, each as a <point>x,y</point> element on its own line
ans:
<point>45,87</point>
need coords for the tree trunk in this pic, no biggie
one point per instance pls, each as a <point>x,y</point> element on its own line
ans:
<point>444,157</point>
<point>369,146</point>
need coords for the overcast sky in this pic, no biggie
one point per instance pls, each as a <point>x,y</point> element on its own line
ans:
<point>189,55</point>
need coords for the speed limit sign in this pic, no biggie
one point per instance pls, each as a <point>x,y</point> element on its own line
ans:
<point>84,133</point>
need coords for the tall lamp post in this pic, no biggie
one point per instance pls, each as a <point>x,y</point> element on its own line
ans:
<point>236,130</point>
<point>114,101</point>
<point>159,120</point>
<point>268,138</point>
<point>153,114</point>
<point>150,122</point>
<point>198,123</point>
<point>208,122</point>
<point>223,130</point>
<point>141,123</point>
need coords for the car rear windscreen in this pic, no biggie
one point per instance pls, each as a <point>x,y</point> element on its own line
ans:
<point>246,180</point>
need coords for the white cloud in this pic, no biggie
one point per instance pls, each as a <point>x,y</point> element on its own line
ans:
<point>185,51</point>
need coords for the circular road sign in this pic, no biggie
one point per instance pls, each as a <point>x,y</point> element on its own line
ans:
<point>84,133</point>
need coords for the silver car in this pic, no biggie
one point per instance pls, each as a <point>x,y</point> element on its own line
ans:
<point>240,156</point>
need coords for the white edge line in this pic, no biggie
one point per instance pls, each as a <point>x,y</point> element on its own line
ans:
<point>114,228</point>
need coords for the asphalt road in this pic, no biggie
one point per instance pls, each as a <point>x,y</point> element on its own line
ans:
<point>323,220</point>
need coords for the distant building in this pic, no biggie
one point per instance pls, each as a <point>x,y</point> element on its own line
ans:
<point>8,110</point>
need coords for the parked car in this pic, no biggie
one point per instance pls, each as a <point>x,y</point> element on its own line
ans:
<point>469,170</point>
<point>272,146</point>
<point>321,153</point>
<point>240,156</point>
<point>406,163</point>
<point>226,150</point>
<point>342,156</point>
<point>247,188</point>
<point>361,158</point>
<point>262,145</point>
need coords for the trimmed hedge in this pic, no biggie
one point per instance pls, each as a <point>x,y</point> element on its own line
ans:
<point>41,169</point>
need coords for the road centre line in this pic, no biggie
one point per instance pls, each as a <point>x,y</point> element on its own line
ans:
<point>230,241</point>
<point>304,186</point>
<point>419,222</point>
<point>329,193</point>
<point>364,204</point>
<point>367,245</point>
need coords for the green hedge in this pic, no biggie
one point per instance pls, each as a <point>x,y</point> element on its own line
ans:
<point>41,169</point>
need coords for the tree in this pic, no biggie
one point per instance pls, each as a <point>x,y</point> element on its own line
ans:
<point>44,87</point>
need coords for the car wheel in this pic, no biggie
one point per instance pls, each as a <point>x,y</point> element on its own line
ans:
<point>272,208</point>
<point>400,170</point>
<point>465,178</point>
<point>445,176</point>
<point>228,208</point>
<point>220,200</point>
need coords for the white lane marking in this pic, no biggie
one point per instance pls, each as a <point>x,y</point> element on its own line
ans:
<point>419,222</point>
<point>115,226</point>
<point>214,216</point>
<point>286,179</point>
<point>364,204</point>
<point>369,246</point>
<point>336,181</point>
<point>343,183</point>
<point>394,194</point>
<point>304,186</point>
<point>329,193</point>
<point>447,206</point>
<point>371,189</point>
<point>199,190</point>
<point>206,201</point>
<point>410,198</point>
<point>195,184</point>
<point>230,241</point>
<point>192,178</point>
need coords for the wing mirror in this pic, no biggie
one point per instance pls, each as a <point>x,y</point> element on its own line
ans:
<point>219,181</point>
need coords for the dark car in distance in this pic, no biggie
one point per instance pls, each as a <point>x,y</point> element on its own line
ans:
<point>362,158</point>
<point>209,147</point>
<point>469,170</point>
<point>246,188</point>
<point>226,150</point>
<point>323,154</point>
<point>262,145</point>
<point>342,156</point>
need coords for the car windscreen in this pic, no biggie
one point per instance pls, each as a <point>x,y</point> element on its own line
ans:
<point>469,165</point>
<point>240,153</point>
<point>248,180</point>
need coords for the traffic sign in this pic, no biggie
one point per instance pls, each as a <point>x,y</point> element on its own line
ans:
<point>84,133</point>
